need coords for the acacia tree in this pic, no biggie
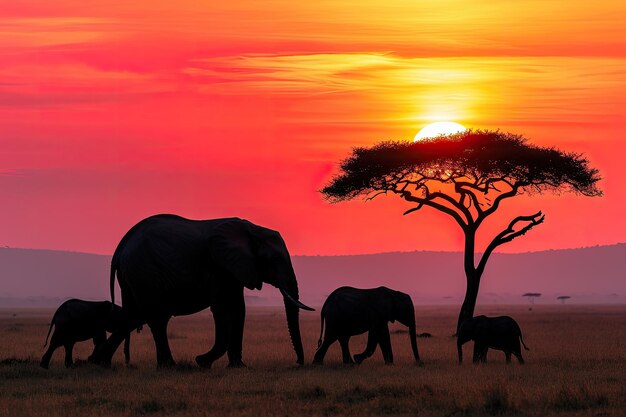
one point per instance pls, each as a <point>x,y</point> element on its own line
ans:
<point>563,298</point>
<point>465,176</point>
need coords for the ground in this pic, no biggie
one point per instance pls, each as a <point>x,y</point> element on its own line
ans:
<point>576,367</point>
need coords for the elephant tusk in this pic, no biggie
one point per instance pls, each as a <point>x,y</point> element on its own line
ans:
<point>295,302</point>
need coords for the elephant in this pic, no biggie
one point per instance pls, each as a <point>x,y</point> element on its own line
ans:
<point>78,320</point>
<point>167,265</point>
<point>500,333</point>
<point>352,311</point>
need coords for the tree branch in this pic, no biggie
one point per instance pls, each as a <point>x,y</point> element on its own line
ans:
<point>458,187</point>
<point>419,206</point>
<point>461,207</point>
<point>508,235</point>
<point>496,202</point>
<point>424,201</point>
<point>399,185</point>
<point>375,195</point>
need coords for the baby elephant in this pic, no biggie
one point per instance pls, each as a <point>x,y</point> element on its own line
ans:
<point>500,333</point>
<point>351,311</point>
<point>79,320</point>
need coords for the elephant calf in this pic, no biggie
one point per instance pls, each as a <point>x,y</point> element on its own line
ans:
<point>351,311</point>
<point>78,320</point>
<point>500,333</point>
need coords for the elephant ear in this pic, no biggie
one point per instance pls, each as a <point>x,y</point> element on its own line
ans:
<point>384,306</point>
<point>233,250</point>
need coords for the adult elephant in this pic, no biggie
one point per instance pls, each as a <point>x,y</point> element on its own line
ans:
<point>352,311</point>
<point>168,266</point>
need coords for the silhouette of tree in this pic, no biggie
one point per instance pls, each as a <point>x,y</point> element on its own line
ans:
<point>563,298</point>
<point>466,176</point>
<point>531,296</point>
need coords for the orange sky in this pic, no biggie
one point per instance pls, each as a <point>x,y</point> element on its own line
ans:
<point>120,110</point>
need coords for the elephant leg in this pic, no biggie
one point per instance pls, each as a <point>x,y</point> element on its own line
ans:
<point>98,340</point>
<point>103,354</point>
<point>221,339</point>
<point>159,334</point>
<point>45,359</point>
<point>344,341</point>
<point>372,341</point>
<point>127,349</point>
<point>517,351</point>
<point>68,354</point>
<point>318,359</point>
<point>382,333</point>
<point>238,318</point>
<point>483,354</point>
<point>478,348</point>
<point>54,345</point>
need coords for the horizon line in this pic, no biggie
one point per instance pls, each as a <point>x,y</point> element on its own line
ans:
<point>353,254</point>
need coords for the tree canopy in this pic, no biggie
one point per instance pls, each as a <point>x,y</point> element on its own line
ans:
<point>482,157</point>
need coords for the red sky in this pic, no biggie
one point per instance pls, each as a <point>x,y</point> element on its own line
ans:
<point>123,109</point>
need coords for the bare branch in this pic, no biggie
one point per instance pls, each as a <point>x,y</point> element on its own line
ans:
<point>409,197</point>
<point>453,202</point>
<point>508,235</point>
<point>419,206</point>
<point>496,202</point>
<point>376,195</point>
<point>458,187</point>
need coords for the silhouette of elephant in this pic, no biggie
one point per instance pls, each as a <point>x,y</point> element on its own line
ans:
<point>78,320</point>
<point>352,311</point>
<point>500,333</point>
<point>168,266</point>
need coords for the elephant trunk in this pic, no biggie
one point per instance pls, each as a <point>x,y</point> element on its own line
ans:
<point>413,337</point>
<point>293,324</point>
<point>289,291</point>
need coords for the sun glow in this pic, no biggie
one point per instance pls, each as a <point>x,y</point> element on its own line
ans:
<point>437,129</point>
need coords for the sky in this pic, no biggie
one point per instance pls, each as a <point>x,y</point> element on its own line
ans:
<point>112,111</point>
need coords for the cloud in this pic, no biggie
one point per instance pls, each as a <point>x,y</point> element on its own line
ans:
<point>60,84</point>
<point>461,88</point>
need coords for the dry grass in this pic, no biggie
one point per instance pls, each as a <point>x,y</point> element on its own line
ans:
<point>576,367</point>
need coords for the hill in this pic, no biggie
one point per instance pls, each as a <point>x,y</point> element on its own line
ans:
<point>32,277</point>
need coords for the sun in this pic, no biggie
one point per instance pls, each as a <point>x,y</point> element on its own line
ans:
<point>437,129</point>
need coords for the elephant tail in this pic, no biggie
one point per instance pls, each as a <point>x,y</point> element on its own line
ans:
<point>112,284</point>
<point>319,341</point>
<point>522,340</point>
<point>49,330</point>
<point>114,265</point>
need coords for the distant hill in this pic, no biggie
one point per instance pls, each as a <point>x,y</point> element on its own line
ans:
<point>31,277</point>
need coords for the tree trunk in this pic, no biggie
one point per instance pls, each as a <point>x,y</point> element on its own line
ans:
<point>469,303</point>
<point>472,278</point>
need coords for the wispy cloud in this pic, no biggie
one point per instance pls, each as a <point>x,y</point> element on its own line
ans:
<point>58,85</point>
<point>527,88</point>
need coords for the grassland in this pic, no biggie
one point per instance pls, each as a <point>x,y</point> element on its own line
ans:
<point>576,367</point>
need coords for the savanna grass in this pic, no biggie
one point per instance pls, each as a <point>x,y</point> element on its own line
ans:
<point>576,366</point>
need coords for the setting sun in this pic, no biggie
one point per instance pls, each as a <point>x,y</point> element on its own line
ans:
<point>437,129</point>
